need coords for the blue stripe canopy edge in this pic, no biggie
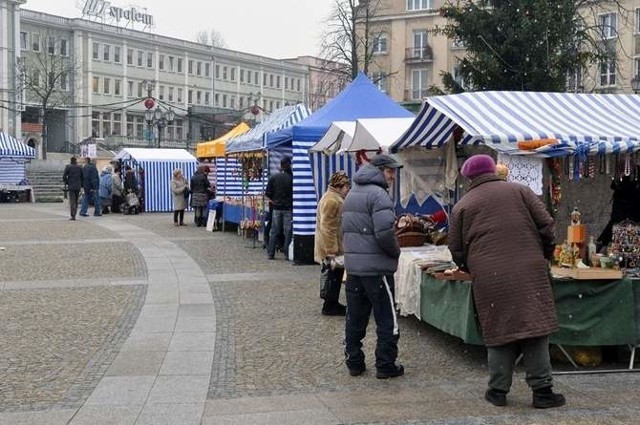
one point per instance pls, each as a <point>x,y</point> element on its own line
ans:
<point>14,148</point>
<point>583,123</point>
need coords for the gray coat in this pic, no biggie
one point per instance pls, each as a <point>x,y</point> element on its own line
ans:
<point>370,244</point>
<point>501,232</point>
<point>178,187</point>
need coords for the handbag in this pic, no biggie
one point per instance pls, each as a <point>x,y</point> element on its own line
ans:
<point>325,282</point>
<point>186,193</point>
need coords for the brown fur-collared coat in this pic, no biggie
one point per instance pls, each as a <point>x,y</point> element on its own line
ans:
<point>328,238</point>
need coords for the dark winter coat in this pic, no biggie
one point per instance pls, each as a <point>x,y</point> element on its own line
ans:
<point>370,244</point>
<point>199,190</point>
<point>503,235</point>
<point>72,176</point>
<point>91,179</point>
<point>280,191</point>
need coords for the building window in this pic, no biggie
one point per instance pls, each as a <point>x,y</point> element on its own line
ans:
<point>248,77</point>
<point>218,72</point>
<point>95,124</point>
<point>106,82</point>
<point>106,124</point>
<point>190,67</point>
<point>190,97</point>
<point>206,98</point>
<point>24,40</point>
<point>179,64</point>
<point>233,103</point>
<point>51,45</point>
<point>171,67</point>
<point>380,80</point>
<point>241,102</point>
<point>271,105</point>
<point>170,94</point>
<point>270,80</point>
<point>233,74</point>
<point>129,126</point>
<point>130,57</point>
<point>179,95</point>
<point>95,84</point>
<point>96,51</point>
<point>608,25</point>
<point>224,72</point>
<point>199,68</point>
<point>574,81</point>
<point>130,88</point>
<point>286,83</point>
<point>299,84</point>
<point>161,93</point>
<point>161,62</point>
<point>418,84</point>
<point>116,87</point>
<point>140,89</point>
<point>207,69</point>
<point>117,125</point>
<point>199,97</point>
<point>116,54</point>
<point>149,60</point>
<point>224,100</point>
<point>278,82</point>
<point>264,79</point>
<point>35,42</point>
<point>63,82</point>
<point>242,75</point>
<point>608,73</point>
<point>380,44</point>
<point>637,23</point>
<point>256,78</point>
<point>216,99</point>
<point>140,57</point>
<point>418,4</point>
<point>106,52</point>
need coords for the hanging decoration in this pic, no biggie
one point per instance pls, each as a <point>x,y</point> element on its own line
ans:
<point>250,167</point>
<point>555,190</point>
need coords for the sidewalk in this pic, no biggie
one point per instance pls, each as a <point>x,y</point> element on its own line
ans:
<point>130,320</point>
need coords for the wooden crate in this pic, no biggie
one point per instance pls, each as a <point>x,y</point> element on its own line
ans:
<point>593,273</point>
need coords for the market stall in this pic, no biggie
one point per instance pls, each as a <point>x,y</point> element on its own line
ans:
<point>558,144</point>
<point>156,166</point>
<point>360,99</point>
<point>13,156</point>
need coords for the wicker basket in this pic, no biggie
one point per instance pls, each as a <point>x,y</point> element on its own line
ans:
<point>411,239</point>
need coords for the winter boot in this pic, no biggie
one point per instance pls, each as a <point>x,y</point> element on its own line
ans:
<point>496,397</point>
<point>544,398</point>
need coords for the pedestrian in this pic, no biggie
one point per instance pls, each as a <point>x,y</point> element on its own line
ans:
<point>180,193</point>
<point>279,192</point>
<point>105,189</point>
<point>199,195</point>
<point>328,250</point>
<point>91,183</point>
<point>502,234</point>
<point>116,189</point>
<point>72,177</point>
<point>371,253</point>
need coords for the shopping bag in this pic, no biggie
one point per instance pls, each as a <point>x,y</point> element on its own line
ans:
<point>325,282</point>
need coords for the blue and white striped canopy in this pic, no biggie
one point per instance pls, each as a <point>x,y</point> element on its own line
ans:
<point>254,139</point>
<point>602,122</point>
<point>12,147</point>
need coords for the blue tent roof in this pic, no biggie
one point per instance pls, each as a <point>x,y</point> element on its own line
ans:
<point>360,99</point>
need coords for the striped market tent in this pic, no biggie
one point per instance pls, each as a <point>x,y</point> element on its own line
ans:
<point>158,166</point>
<point>583,123</point>
<point>360,99</point>
<point>13,156</point>
<point>229,180</point>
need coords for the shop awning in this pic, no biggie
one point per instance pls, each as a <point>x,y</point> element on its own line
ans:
<point>339,133</point>
<point>501,119</point>
<point>372,134</point>
<point>215,148</point>
<point>254,139</point>
<point>14,148</point>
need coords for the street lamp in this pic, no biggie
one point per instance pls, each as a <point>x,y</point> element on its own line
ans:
<point>635,84</point>
<point>159,119</point>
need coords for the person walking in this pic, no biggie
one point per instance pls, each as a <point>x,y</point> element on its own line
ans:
<point>512,293</point>
<point>371,253</point>
<point>116,190</point>
<point>104,191</point>
<point>180,192</point>
<point>91,183</point>
<point>279,192</point>
<point>328,240</point>
<point>199,195</point>
<point>72,177</point>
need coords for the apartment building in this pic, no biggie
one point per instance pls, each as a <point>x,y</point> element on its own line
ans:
<point>111,70</point>
<point>409,57</point>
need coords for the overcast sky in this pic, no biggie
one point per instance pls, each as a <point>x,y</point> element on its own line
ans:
<point>273,28</point>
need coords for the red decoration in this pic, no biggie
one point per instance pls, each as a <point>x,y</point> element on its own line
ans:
<point>149,103</point>
<point>255,109</point>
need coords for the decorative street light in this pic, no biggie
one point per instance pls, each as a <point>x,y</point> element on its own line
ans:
<point>159,119</point>
<point>254,109</point>
<point>635,84</point>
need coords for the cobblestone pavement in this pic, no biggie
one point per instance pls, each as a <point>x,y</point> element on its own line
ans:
<point>199,327</point>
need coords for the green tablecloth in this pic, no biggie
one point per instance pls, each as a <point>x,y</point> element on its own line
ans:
<point>590,312</point>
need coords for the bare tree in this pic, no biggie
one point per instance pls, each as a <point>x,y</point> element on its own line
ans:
<point>350,36</point>
<point>210,38</point>
<point>47,77</point>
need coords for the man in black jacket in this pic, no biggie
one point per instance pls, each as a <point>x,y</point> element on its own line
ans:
<point>280,194</point>
<point>91,181</point>
<point>72,177</point>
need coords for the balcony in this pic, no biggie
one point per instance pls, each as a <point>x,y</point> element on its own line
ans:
<point>415,95</point>
<point>418,54</point>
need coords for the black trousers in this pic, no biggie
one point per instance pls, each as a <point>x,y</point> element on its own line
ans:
<point>73,202</point>
<point>363,295</point>
<point>178,214</point>
<point>335,282</point>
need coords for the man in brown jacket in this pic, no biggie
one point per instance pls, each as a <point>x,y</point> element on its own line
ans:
<point>328,240</point>
<point>501,233</point>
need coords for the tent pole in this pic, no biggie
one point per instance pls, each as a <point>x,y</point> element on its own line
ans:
<point>224,193</point>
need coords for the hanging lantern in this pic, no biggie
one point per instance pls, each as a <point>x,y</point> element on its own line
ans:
<point>149,103</point>
<point>255,109</point>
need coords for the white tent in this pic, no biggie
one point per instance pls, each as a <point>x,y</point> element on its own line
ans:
<point>158,166</point>
<point>339,133</point>
<point>372,134</point>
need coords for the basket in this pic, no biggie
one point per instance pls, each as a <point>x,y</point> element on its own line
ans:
<point>411,239</point>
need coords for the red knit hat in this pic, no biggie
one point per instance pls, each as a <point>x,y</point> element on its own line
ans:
<point>477,165</point>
